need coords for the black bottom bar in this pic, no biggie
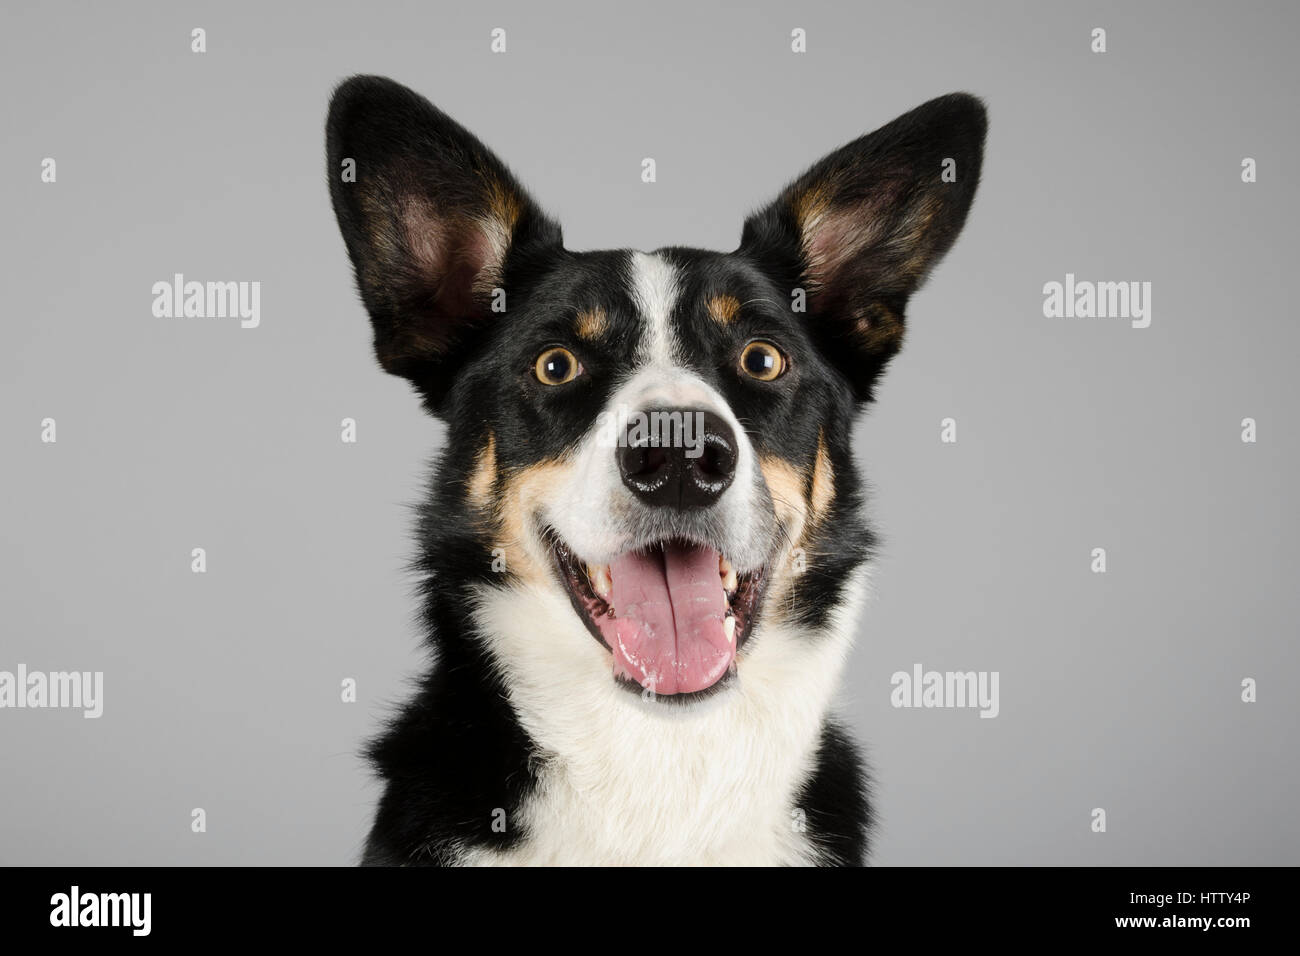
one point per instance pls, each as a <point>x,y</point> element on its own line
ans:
<point>1166,905</point>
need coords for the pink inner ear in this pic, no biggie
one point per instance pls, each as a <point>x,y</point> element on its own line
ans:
<point>835,237</point>
<point>428,238</point>
<point>454,255</point>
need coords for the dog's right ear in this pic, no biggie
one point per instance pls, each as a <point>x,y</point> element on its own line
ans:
<point>433,222</point>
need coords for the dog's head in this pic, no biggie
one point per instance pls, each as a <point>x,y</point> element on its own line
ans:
<point>661,440</point>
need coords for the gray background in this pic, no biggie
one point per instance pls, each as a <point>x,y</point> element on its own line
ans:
<point>222,690</point>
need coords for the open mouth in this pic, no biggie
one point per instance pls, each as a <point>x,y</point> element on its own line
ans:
<point>673,615</point>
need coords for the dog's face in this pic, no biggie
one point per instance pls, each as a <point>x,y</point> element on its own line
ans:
<point>661,439</point>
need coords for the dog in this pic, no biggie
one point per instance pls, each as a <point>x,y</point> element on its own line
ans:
<point>642,554</point>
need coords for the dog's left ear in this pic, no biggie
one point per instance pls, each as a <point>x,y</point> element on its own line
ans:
<point>859,231</point>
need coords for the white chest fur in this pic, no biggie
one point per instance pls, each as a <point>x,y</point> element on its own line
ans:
<point>629,782</point>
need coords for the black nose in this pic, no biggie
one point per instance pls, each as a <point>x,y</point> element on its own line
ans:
<point>677,457</point>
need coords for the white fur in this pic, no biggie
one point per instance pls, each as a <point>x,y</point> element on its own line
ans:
<point>630,782</point>
<point>654,289</point>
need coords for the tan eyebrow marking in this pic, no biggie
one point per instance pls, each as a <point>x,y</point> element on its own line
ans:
<point>591,324</point>
<point>723,308</point>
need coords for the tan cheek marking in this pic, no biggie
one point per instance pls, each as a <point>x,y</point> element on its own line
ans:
<point>591,324</point>
<point>484,476</point>
<point>785,483</point>
<point>822,492</point>
<point>524,493</point>
<point>723,309</point>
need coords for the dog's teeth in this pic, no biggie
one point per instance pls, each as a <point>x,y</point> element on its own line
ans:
<point>729,580</point>
<point>601,582</point>
<point>729,628</point>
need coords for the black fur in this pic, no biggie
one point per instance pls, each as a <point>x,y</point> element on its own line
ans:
<point>457,752</point>
<point>835,799</point>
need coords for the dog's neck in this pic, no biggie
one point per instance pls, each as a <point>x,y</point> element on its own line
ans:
<point>627,780</point>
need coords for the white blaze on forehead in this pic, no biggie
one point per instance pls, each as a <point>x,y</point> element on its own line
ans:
<point>591,509</point>
<point>654,286</point>
<point>660,380</point>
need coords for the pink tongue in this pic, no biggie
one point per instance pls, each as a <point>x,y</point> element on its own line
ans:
<point>667,635</point>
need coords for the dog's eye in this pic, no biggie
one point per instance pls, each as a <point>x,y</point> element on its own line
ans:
<point>556,366</point>
<point>763,361</point>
